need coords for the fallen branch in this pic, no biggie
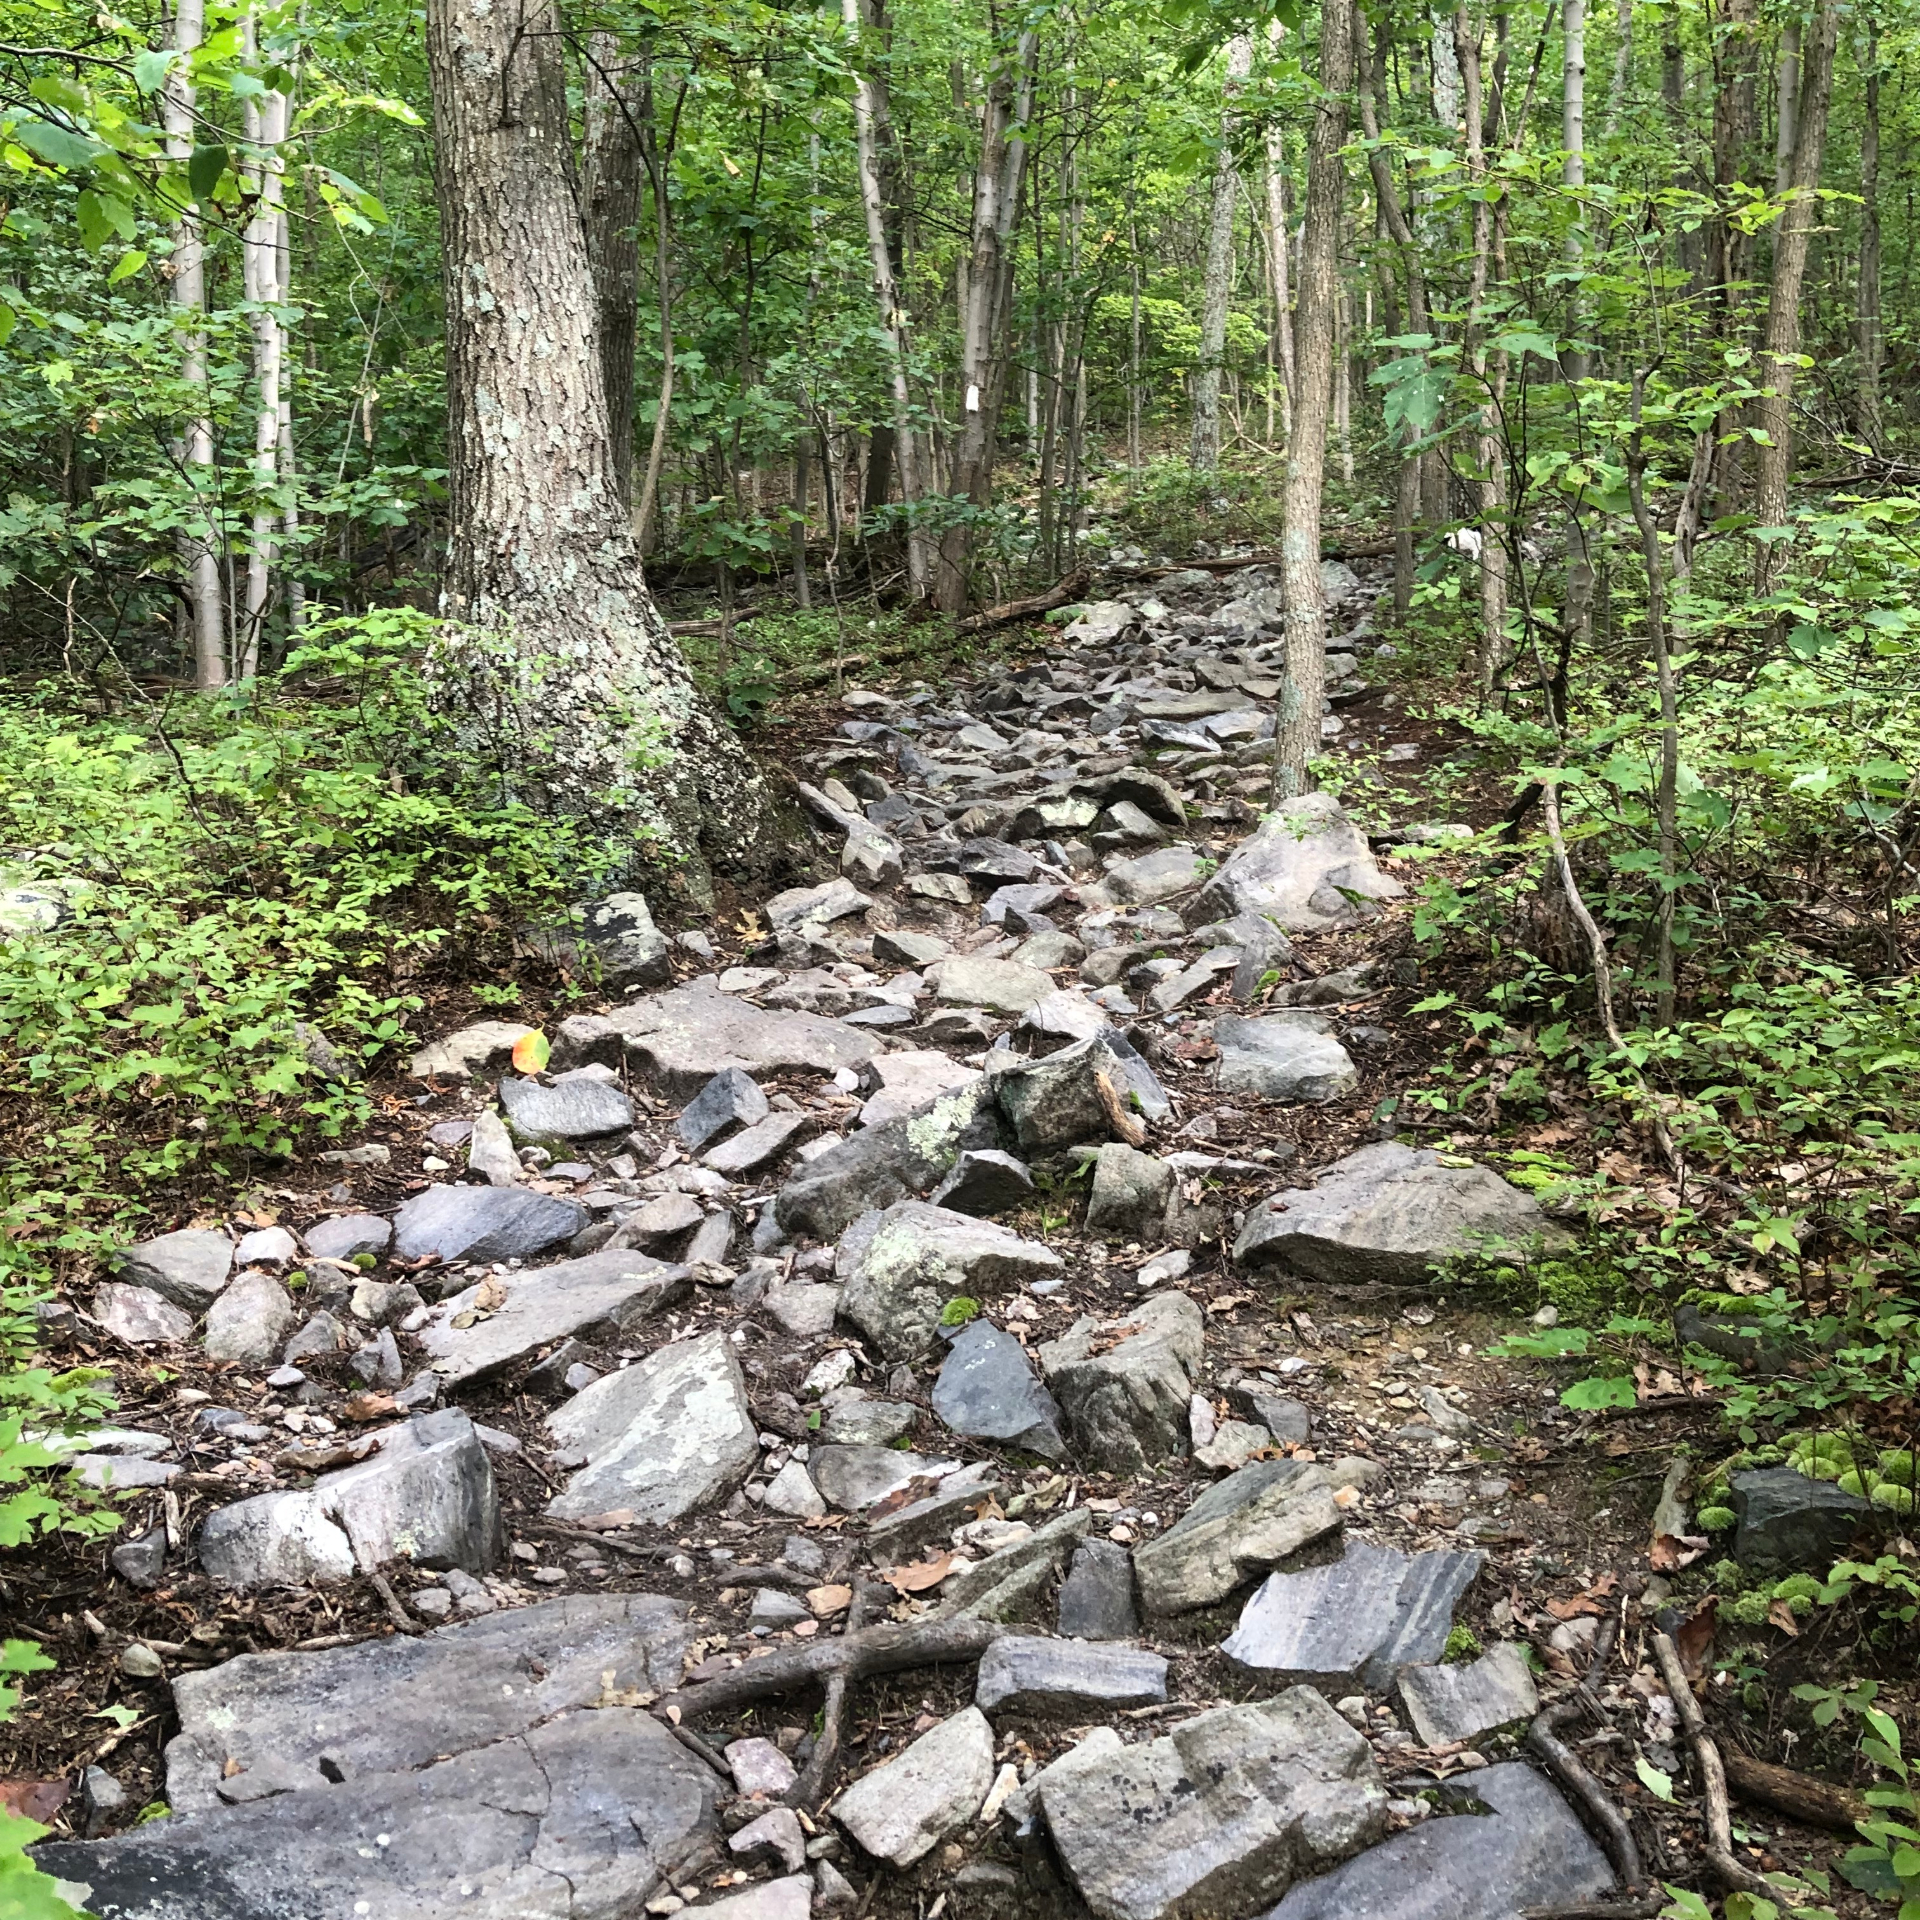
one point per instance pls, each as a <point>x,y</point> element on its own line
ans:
<point>699,1749</point>
<point>403,1621</point>
<point>888,1648</point>
<point>1643,1909</point>
<point>811,1788</point>
<point>1713,1778</point>
<point>1061,593</point>
<point>1815,1803</point>
<point>713,629</point>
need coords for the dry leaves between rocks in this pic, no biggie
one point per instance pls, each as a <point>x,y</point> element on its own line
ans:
<point>490,1298</point>
<point>827,1601</point>
<point>37,1800</point>
<point>920,1576</point>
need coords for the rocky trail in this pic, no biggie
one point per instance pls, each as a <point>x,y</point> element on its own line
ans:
<point>931,1402</point>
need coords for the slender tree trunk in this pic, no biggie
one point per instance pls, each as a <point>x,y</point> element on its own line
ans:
<point>1867,328</point>
<point>611,203</point>
<point>1622,65</point>
<point>555,660</point>
<point>1780,344</point>
<point>1786,125</point>
<point>199,551</point>
<point>1343,380</point>
<point>1277,256</point>
<point>998,183</point>
<point>1217,291</point>
<point>1133,340</point>
<point>265,121</point>
<point>656,154</point>
<point>1297,730</point>
<point>802,491</point>
<point>1574,362</point>
<point>292,585</point>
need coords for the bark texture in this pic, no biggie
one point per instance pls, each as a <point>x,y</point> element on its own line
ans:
<point>555,657</point>
<point>1204,453</point>
<point>612,209</point>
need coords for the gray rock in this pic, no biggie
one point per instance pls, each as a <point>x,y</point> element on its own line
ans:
<point>712,1242</point>
<point>1527,1851</point>
<point>987,1390</point>
<point>348,1234</point>
<point>775,1610</point>
<point>789,1899</point>
<point>854,1478</point>
<point>908,1080</point>
<point>899,1268</point>
<point>1387,1215</point>
<point>1064,1016</point>
<point>1130,1193</point>
<point>901,948</point>
<point>482,1224</point>
<point>582,1813</point>
<point>1356,1620</point>
<point>1787,1520</point>
<point>1463,1702</point>
<point>992,861</point>
<point>760,1145</point>
<point>1218,1817</point>
<point>868,1423</point>
<point>1001,986</point>
<point>465,1688</point>
<point>569,1109</point>
<point>905,1807</point>
<point>379,1364</point>
<point>266,1247</point>
<point>1308,868</point>
<point>1279,1056</point>
<point>427,1496</point>
<point>983,1183</point>
<point>1124,1384</point>
<point>1287,1419</point>
<point>807,1312</point>
<point>491,1153</point>
<point>1149,878</point>
<point>817,906</point>
<point>631,950</point>
<point>505,1319</point>
<point>678,1041</point>
<point>472,1053</point>
<point>662,1437</point>
<point>1027,1675</point>
<point>187,1268</point>
<point>1008,1585</point>
<point>138,1315</point>
<point>775,1837</point>
<point>249,1323</point>
<point>104,1802</point>
<point>929,1521</point>
<point>141,1561</point>
<point>729,1101</point>
<point>319,1337</point>
<point>1096,1597</point>
<point>658,1222</point>
<point>1054,1101</point>
<point>1239,1528</point>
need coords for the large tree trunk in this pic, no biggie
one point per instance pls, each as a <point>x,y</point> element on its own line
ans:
<point>1217,290</point>
<point>1780,343</point>
<point>998,181</point>
<point>199,551</point>
<point>612,212</point>
<point>1297,735</point>
<point>554,656</point>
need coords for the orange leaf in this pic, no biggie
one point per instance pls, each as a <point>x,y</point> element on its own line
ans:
<point>1566,1609</point>
<point>920,1577</point>
<point>827,1601</point>
<point>916,1489</point>
<point>1696,1636</point>
<point>1780,1615</point>
<point>531,1052</point>
<point>1671,1551</point>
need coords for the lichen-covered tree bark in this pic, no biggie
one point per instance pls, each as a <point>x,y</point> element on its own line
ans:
<point>1204,453</point>
<point>611,166</point>
<point>554,655</point>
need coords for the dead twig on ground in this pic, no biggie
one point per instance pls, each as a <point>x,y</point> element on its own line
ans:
<point>1816,1803</point>
<point>811,1788</point>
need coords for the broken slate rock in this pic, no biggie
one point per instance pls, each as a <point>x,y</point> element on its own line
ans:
<point>1218,1817</point>
<point>1308,868</point>
<point>470,1054</point>
<point>1287,1419</point>
<point>347,1235</point>
<point>983,1183</point>
<point>816,906</point>
<point>868,1423</point>
<point>482,1224</point>
<point>900,948</point>
<point>249,1323</point>
<point>1526,1850</point>
<point>1150,878</point>
<point>678,1041</point>
<point>1033,1677</point>
<point>1387,1215</point>
<point>1096,1597</point>
<point>899,1269</point>
<point>506,1318</point>
<point>1239,1528</point>
<point>909,1080</point>
<point>788,1899</point>
<point>1000,986</point>
<point>1130,1193</point>
<point>1463,1702</point>
<point>570,1109</point>
<point>1788,1521</point>
<point>1124,1384</point>
<point>854,1478</point>
<point>1290,1057</point>
<point>138,1315</point>
<point>1055,1101</point>
<point>760,1145</point>
<point>1356,1620</point>
<point>188,1268</point>
<point>1007,1585</point>
<point>729,1101</point>
<point>905,1807</point>
<point>631,950</point>
<point>663,1437</point>
<point>987,1390</point>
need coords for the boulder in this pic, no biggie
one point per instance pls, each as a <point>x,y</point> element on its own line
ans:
<point>1056,1100</point>
<point>984,1182</point>
<point>906,1806</point>
<point>1000,986</point>
<point>1149,878</point>
<point>909,1080</point>
<point>729,1101</point>
<point>1124,1384</point>
<point>1282,1056</point>
<point>854,1478</point>
<point>662,1437</point>
<point>1354,1621</point>
<point>1218,1817</point>
<point>249,1323</point>
<point>815,906</point>
<point>1033,1677</point>
<point>987,1390</point>
<point>138,1315</point>
<point>1308,868</point>
<point>188,1268</point>
<point>1388,1215</point>
<point>678,1041</point>
<point>1239,1528</point>
<point>1787,1521</point>
<point>482,1224</point>
<point>347,1235</point>
<point>471,1054</point>
<point>631,950</point>
<point>1096,1597</point>
<point>1463,1702</point>
<point>508,1318</point>
<point>570,1109</point>
<point>1130,1193</point>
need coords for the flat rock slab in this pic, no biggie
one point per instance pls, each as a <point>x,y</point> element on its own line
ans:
<point>760,1145</point>
<point>138,1315</point>
<point>1096,1597</point>
<point>1356,1620</point>
<point>678,1041</point>
<point>187,1268</point>
<point>662,1437</point>
<point>473,1051</point>
<point>1388,1215</point>
<point>347,1234</point>
<point>1282,1057</point>
<point>1308,868</point>
<point>483,1224</point>
<point>569,1109</point>
<point>1007,1584</point>
<point>576,1816</point>
<point>1218,1818</point>
<point>1239,1528</point>
<point>1463,1702</point>
<point>730,1100</point>
<point>249,1322</point>
<point>911,1078</point>
<point>264,1722</point>
<point>906,1807</point>
<point>987,1390</point>
<point>1124,1385</point>
<point>1149,878</point>
<point>1788,1520</point>
<point>1000,986</point>
<point>1527,1850</point>
<point>899,1268</point>
<point>509,1318</point>
<point>1025,1674</point>
<point>854,1478</point>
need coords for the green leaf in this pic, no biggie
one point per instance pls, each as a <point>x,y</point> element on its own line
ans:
<point>1656,1782</point>
<point>150,68</point>
<point>57,146</point>
<point>204,171</point>
<point>127,266</point>
<point>1682,1905</point>
<point>1603,1390</point>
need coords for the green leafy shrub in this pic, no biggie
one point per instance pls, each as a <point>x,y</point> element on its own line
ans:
<point>25,1892</point>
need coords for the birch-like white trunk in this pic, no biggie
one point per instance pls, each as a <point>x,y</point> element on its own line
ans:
<point>1217,290</point>
<point>265,124</point>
